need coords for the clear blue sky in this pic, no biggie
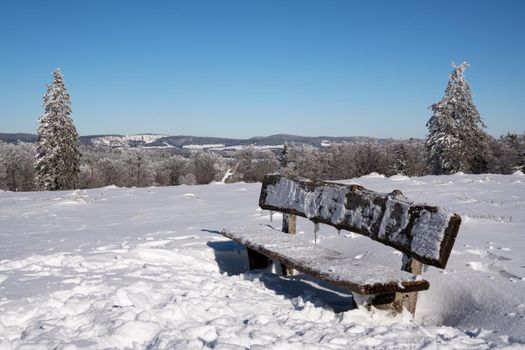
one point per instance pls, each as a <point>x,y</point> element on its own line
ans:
<point>252,68</point>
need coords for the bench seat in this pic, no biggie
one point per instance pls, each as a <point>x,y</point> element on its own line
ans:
<point>328,265</point>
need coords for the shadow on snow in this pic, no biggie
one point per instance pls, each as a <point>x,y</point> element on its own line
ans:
<point>232,259</point>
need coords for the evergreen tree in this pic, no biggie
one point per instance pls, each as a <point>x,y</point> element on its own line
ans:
<point>58,157</point>
<point>400,164</point>
<point>283,157</point>
<point>456,140</point>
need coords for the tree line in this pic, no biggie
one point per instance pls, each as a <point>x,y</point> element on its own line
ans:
<point>136,167</point>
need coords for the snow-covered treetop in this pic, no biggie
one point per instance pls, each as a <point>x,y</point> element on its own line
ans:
<point>56,99</point>
<point>461,67</point>
<point>456,138</point>
<point>457,102</point>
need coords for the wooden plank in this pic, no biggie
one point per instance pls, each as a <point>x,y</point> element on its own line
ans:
<point>328,265</point>
<point>421,231</point>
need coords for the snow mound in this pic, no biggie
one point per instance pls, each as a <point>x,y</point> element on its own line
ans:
<point>201,147</point>
<point>111,186</point>
<point>518,173</point>
<point>399,178</point>
<point>125,140</point>
<point>374,175</point>
<point>131,300</point>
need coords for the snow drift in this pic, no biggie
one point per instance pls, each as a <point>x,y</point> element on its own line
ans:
<point>145,268</point>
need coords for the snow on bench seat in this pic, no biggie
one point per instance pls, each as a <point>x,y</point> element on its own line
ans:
<point>328,265</point>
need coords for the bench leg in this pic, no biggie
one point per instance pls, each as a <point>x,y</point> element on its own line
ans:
<point>289,226</point>
<point>394,302</point>
<point>289,223</point>
<point>389,302</point>
<point>257,260</point>
<point>409,300</point>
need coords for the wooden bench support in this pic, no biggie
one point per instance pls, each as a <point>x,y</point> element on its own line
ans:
<point>395,302</point>
<point>409,300</point>
<point>386,302</point>
<point>289,226</point>
<point>257,260</point>
<point>289,223</point>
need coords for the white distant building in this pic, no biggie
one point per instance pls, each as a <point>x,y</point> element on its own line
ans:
<point>326,143</point>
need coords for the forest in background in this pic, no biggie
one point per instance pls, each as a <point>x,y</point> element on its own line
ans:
<point>140,167</point>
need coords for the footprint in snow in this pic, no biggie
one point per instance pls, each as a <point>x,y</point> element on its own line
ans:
<point>485,254</point>
<point>360,256</point>
<point>491,269</point>
<point>176,238</point>
<point>107,247</point>
<point>350,235</point>
<point>154,244</point>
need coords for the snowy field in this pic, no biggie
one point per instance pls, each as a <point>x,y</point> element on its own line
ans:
<point>145,268</point>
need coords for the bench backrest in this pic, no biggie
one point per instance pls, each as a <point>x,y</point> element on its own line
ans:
<point>423,232</point>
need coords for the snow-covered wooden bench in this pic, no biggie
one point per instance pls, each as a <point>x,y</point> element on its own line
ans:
<point>424,234</point>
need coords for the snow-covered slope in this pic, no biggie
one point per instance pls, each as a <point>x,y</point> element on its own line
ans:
<point>145,268</point>
<point>125,140</point>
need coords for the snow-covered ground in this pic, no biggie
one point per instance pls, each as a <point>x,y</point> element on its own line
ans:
<point>201,147</point>
<point>145,268</point>
<point>124,140</point>
<point>241,147</point>
<point>222,147</point>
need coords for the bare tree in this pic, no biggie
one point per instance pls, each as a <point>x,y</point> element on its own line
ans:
<point>171,171</point>
<point>16,166</point>
<point>207,167</point>
<point>140,172</point>
<point>253,164</point>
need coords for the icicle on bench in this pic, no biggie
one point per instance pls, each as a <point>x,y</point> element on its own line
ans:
<point>424,234</point>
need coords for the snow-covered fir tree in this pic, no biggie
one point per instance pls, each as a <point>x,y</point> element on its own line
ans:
<point>283,157</point>
<point>400,163</point>
<point>58,157</point>
<point>456,140</point>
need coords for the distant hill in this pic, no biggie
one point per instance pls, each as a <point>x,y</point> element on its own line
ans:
<point>194,142</point>
<point>16,138</point>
